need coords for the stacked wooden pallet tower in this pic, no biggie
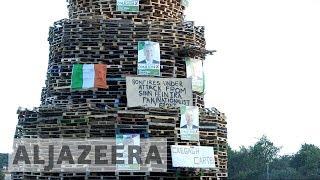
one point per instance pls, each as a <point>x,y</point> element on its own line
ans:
<point>96,33</point>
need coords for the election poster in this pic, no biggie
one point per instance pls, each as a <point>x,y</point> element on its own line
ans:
<point>148,58</point>
<point>193,156</point>
<point>158,92</point>
<point>127,140</point>
<point>195,71</point>
<point>189,123</point>
<point>128,5</point>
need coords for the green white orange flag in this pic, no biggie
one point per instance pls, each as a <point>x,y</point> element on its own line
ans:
<point>88,76</point>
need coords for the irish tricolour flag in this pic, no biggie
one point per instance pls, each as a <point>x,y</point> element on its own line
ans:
<point>88,76</point>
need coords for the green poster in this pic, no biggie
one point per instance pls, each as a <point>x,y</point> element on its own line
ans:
<point>127,140</point>
<point>189,123</point>
<point>128,5</point>
<point>185,3</point>
<point>148,58</point>
<point>195,71</point>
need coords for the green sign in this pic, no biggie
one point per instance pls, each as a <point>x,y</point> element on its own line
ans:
<point>128,5</point>
<point>185,3</point>
<point>195,71</point>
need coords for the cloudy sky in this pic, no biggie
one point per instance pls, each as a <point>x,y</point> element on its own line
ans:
<point>265,75</point>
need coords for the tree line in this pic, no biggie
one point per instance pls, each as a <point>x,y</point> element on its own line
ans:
<point>3,163</point>
<point>262,161</point>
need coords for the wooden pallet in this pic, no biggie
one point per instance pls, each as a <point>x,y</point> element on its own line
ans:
<point>96,33</point>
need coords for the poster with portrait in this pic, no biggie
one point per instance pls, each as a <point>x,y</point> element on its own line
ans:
<point>148,58</point>
<point>189,123</point>
<point>196,73</point>
<point>127,140</point>
<point>128,5</point>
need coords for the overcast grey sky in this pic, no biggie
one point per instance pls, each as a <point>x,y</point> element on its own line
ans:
<point>265,75</point>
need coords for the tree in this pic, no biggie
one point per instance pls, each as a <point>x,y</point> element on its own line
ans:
<point>1,175</point>
<point>265,150</point>
<point>263,153</point>
<point>3,163</point>
<point>280,169</point>
<point>251,163</point>
<point>307,161</point>
<point>239,166</point>
<point>3,160</point>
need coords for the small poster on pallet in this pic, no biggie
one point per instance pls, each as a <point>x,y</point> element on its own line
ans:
<point>189,123</point>
<point>148,58</point>
<point>193,156</point>
<point>196,73</point>
<point>185,3</point>
<point>128,5</point>
<point>127,140</point>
